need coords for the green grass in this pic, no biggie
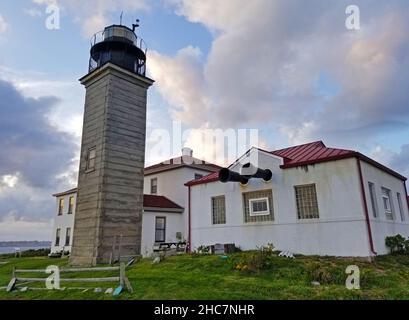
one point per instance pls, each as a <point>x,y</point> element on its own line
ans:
<point>210,277</point>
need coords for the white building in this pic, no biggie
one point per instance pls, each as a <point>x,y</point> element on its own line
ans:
<point>164,218</point>
<point>320,201</point>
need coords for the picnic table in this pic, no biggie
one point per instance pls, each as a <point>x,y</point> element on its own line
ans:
<point>166,246</point>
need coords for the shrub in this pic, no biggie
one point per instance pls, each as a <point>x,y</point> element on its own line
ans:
<point>258,260</point>
<point>397,244</point>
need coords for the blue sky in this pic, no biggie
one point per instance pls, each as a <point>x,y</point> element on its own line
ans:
<point>290,69</point>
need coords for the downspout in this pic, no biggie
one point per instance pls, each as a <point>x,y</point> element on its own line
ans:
<point>368,223</point>
<point>189,222</point>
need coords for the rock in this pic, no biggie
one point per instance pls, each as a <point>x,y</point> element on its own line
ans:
<point>156,260</point>
<point>23,289</point>
<point>109,291</point>
<point>315,283</point>
<point>97,290</point>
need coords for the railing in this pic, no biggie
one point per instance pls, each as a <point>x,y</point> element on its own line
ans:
<point>130,36</point>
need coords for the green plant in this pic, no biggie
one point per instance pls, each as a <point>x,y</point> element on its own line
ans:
<point>397,244</point>
<point>256,261</point>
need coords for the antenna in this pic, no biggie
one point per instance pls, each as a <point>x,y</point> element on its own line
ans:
<point>135,25</point>
<point>120,19</point>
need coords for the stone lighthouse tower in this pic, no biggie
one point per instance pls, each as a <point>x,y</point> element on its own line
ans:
<point>110,183</point>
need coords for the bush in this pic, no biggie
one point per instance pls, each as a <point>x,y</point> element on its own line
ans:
<point>397,244</point>
<point>257,260</point>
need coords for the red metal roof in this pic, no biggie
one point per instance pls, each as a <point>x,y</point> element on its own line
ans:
<point>307,154</point>
<point>152,201</point>
<point>310,153</point>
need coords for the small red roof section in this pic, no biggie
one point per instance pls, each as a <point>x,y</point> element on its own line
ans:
<point>149,201</point>
<point>308,154</point>
<point>182,161</point>
<point>311,153</point>
<point>152,201</point>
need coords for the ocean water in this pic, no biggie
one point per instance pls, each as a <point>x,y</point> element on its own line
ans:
<point>12,249</point>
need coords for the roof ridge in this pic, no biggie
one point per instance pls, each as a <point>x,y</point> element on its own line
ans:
<point>301,145</point>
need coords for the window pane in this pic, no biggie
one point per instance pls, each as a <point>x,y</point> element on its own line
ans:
<point>402,215</point>
<point>307,203</point>
<point>258,206</point>
<point>160,229</point>
<point>372,193</point>
<point>154,186</point>
<point>219,210</point>
<point>387,203</point>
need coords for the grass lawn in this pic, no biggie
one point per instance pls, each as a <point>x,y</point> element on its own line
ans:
<point>210,277</point>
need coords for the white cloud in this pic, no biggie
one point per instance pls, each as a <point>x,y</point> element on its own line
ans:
<point>93,16</point>
<point>13,229</point>
<point>267,59</point>
<point>3,24</point>
<point>33,12</point>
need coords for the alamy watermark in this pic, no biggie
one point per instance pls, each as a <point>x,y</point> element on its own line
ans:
<point>353,20</point>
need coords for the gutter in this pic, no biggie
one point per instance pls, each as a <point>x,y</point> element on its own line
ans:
<point>368,223</point>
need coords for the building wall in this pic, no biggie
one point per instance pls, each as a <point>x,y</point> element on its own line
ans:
<point>171,184</point>
<point>174,224</point>
<point>63,222</point>
<point>340,229</point>
<point>381,227</point>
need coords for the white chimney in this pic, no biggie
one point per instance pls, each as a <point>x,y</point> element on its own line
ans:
<point>187,152</point>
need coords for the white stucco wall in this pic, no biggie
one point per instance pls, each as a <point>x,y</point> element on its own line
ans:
<point>381,227</point>
<point>340,230</point>
<point>174,224</point>
<point>63,222</point>
<point>171,184</point>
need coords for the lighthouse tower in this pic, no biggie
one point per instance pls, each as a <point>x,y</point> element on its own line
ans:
<point>110,182</point>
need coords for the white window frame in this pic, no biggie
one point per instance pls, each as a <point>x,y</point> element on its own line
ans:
<point>259,213</point>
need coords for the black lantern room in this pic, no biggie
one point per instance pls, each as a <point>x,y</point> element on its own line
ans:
<point>119,45</point>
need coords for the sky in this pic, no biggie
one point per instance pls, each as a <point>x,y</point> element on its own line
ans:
<point>290,69</point>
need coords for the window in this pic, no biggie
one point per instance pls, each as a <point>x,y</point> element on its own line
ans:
<point>68,237</point>
<point>307,203</point>
<point>198,176</point>
<point>219,210</point>
<point>71,205</point>
<point>258,206</point>
<point>402,214</point>
<point>160,229</point>
<point>154,186</point>
<point>57,237</point>
<point>92,154</point>
<point>60,206</point>
<point>372,192</point>
<point>387,203</point>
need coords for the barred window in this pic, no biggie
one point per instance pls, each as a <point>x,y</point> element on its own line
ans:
<point>373,199</point>
<point>402,214</point>
<point>219,210</point>
<point>387,203</point>
<point>307,203</point>
<point>91,156</point>
<point>258,206</point>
